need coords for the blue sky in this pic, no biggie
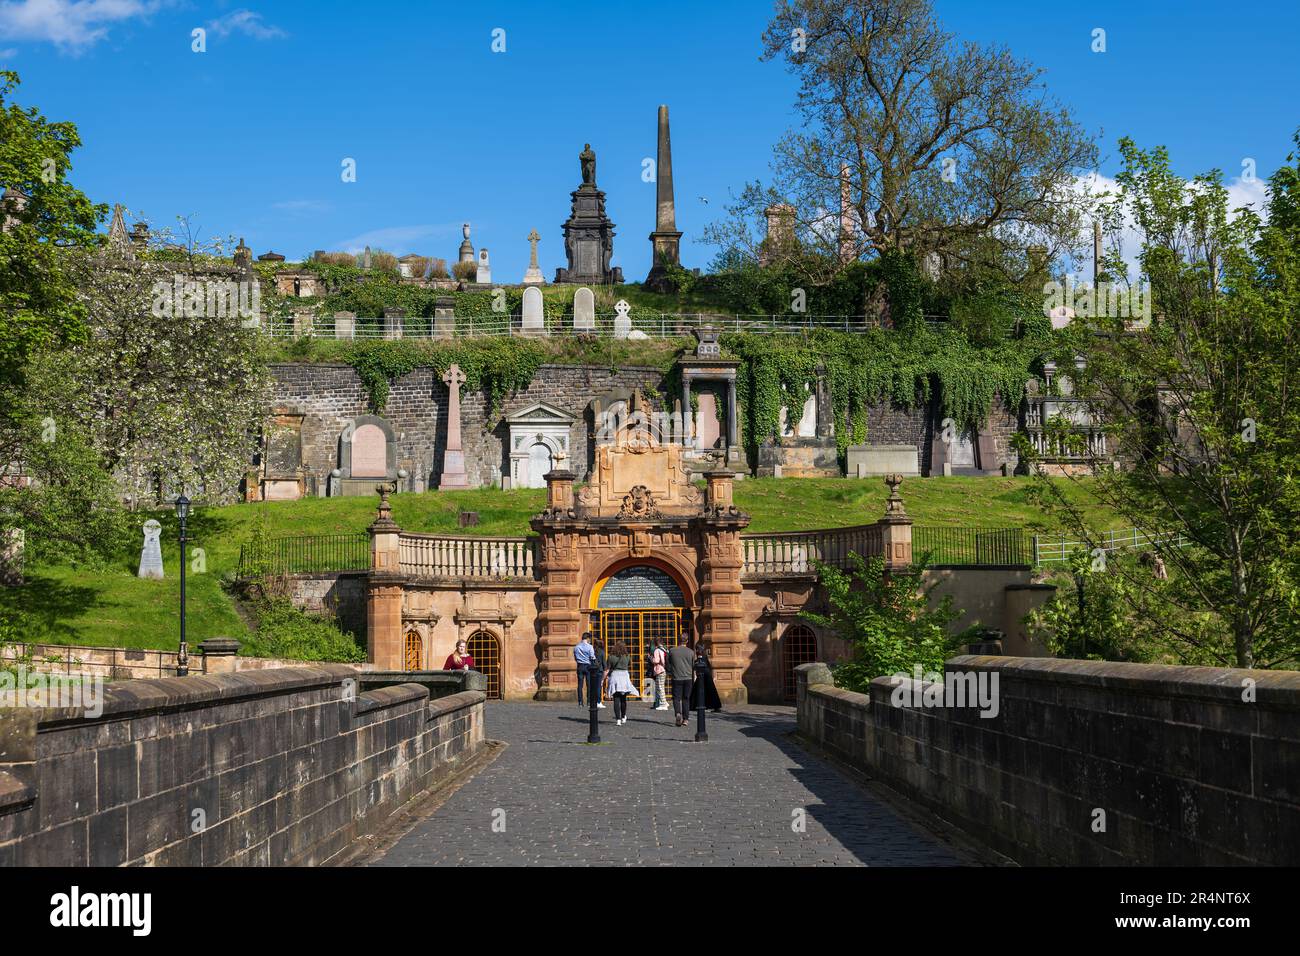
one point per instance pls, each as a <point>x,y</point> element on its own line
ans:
<point>249,136</point>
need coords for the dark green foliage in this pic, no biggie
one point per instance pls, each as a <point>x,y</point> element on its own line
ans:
<point>888,618</point>
<point>285,632</point>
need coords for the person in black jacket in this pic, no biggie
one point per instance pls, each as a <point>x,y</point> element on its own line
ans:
<point>704,680</point>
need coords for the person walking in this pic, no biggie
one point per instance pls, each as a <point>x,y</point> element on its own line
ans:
<point>681,668</point>
<point>703,684</point>
<point>620,682</point>
<point>599,666</point>
<point>459,659</point>
<point>584,654</point>
<point>659,671</point>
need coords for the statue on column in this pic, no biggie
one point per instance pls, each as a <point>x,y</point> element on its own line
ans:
<point>587,158</point>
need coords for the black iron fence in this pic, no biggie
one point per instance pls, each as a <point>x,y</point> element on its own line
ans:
<point>305,554</point>
<point>972,547</point>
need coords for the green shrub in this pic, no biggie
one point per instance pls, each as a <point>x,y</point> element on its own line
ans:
<point>285,632</point>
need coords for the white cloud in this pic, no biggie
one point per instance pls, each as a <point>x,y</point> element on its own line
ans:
<point>303,206</point>
<point>8,54</point>
<point>1252,193</point>
<point>246,22</point>
<point>71,26</point>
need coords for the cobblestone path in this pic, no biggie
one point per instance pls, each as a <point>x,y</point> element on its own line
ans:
<point>649,795</point>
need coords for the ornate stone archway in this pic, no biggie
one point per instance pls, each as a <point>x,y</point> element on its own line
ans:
<point>640,507</point>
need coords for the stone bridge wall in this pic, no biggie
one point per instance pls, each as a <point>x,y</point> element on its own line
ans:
<point>1186,772</point>
<point>272,767</point>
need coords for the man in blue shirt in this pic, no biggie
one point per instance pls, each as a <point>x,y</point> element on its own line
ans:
<point>585,655</point>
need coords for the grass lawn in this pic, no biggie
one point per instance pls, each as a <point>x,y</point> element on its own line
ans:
<point>114,607</point>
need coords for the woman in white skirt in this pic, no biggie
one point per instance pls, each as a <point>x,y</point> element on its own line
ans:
<point>620,683</point>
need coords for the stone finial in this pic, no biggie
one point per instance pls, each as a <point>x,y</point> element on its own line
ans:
<point>118,239</point>
<point>894,506</point>
<point>384,515</point>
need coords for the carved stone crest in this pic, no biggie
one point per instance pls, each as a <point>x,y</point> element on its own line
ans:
<point>639,504</point>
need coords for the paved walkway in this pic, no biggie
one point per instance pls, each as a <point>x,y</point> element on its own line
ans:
<point>648,794</point>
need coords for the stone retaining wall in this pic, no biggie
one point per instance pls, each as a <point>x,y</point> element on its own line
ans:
<point>1179,769</point>
<point>272,767</point>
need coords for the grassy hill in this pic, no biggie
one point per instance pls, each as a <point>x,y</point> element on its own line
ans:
<point>113,607</point>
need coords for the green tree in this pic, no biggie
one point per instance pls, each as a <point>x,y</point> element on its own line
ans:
<point>41,212</point>
<point>889,618</point>
<point>937,145</point>
<point>1202,408</point>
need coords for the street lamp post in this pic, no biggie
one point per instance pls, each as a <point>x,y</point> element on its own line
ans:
<point>701,665</point>
<point>183,658</point>
<point>593,698</point>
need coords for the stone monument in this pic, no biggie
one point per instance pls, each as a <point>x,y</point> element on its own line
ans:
<point>484,274</point>
<point>665,241</point>
<point>533,275</point>
<point>151,565</point>
<point>584,311</point>
<point>453,460</point>
<point>589,235</point>
<point>466,247</point>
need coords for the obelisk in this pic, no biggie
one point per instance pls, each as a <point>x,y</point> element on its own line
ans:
<point>453,460</point>
<point>665,241</point>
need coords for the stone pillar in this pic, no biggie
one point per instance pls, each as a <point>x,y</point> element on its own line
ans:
<point>732,430</point>
<point>665,241</point>
<point>345,325</point>
<point>393,323</point>
<point>688,419</point>
<point>560,566</point>
<point>444,317</point>
<point>384,591</point>
<point>219,655</point>
<point>895,528</point>
<point>453,461</point>
<point>720,617</point>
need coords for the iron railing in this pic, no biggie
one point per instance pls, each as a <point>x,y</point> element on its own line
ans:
<point>1056,549</point>
<point>305,554</point>
<point>971,547</point>
<point>606,325</point>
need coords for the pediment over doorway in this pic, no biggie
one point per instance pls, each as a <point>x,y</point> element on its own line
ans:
<point>637,476</point>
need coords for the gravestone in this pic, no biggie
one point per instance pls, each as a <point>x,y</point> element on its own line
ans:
<point>534,322</point>
<point>584,310</point>
<point>369,452</point>
<point>484,274</point>
<point>345,325</point>
<point>622,322</point>
<point>151,565</point>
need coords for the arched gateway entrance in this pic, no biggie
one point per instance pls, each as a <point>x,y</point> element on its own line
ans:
<point>638,604</point>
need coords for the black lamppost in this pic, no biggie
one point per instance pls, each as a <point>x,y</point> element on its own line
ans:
<point>183,658</point>
<point>701,668</point>
<point>593,698</point>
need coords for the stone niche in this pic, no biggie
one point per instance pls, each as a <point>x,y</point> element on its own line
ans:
<point>367,456</point>
<point>281,476</point>
<point>538,442</point>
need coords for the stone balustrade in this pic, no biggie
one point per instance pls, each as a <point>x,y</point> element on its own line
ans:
<point>453,556</point>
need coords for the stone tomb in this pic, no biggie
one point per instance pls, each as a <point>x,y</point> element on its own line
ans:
<point>539,442</point>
